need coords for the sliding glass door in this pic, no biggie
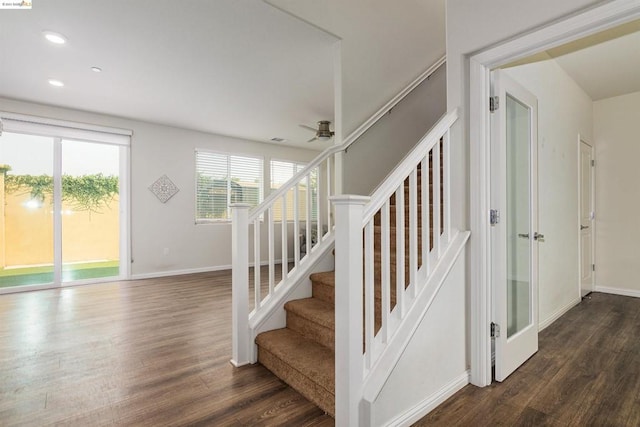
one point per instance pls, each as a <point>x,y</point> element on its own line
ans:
<point>61,216</point>
<point>26,210</point>
<point>90,210</point>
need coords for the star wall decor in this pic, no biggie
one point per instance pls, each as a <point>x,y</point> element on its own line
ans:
<point>164,188</point>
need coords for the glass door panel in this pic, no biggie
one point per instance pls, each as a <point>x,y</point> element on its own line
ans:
<point>26,210</point>
<point>518,130</point>
<point>90,211</point>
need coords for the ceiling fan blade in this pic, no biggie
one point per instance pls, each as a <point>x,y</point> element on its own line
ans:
<point>313,139</point>
<point>314,130</point>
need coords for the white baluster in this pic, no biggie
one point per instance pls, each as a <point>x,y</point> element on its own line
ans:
<point>369,295</point>
<point>400,249</point>
<point>285,239</point>
<point>348,308</point>
<point>446,166</point>
<point>436,201</point>
<point>271,250</point>
<point>413,230</point>
<point>241,339</point>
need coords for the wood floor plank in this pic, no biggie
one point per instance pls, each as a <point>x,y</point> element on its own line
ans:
<point>145,352</point>
<point>586,373</point>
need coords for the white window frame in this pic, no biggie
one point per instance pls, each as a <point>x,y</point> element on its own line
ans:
<point>228,155</point>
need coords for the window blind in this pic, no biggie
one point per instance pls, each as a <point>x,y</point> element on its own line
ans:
<point>223,179</point>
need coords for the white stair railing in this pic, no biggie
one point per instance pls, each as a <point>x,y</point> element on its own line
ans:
<point>273,243</point>
<point>419,232</point>
<point>269,238</point>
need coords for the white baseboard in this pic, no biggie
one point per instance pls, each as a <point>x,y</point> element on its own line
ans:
<point>559,313</point>
<point>431,402</point>
<point>618,291</point>
<point>169,273</point>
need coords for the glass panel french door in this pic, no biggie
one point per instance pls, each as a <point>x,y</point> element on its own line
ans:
<point>514,237</point>
<point>26,210</point>
<point>90,212</point>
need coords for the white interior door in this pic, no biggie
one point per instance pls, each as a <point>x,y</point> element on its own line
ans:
<point>515,236</point>
<point>586,218</point>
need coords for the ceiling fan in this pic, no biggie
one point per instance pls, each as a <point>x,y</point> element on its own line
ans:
<point>323,132</point>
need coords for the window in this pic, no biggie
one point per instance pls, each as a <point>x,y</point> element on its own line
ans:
<point>281,172</point>
<point>223,179</point>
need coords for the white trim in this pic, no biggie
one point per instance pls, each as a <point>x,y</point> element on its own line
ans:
<point>430,403</point>
<point>593,20</point>
<point>169,273</point>
<point>558,314</point>
<point>22,123</point>
<point>618,291</point>
<point>392,103</point>
<point>384,366</point>
<point>583,140</point>
<point>480,198</point>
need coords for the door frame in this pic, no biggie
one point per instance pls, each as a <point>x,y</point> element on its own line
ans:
<point>577,26</point>
<point>58,131</point>
<point>582,140</point>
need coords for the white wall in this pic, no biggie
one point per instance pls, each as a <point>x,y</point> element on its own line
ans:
<point>375,154</point>
<point>158,150</point>
<point>434,360</point>
<point>564,112</point>
<point>473,26</point>
<point>617,150</point>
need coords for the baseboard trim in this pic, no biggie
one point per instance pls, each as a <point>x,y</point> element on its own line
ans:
<point>431,402</point>
<point>618,291</point>
<point>559,313</point>
<point>209,269</point>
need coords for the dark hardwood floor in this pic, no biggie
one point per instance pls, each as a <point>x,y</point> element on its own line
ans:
<point>586,373</point>
<point>150,352</point>
<point>156,352</point>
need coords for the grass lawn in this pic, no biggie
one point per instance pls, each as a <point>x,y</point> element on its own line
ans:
<point>70,272</point>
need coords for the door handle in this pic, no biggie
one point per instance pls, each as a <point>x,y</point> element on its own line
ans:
<point>524,235</point>
<point>582,227</point>
<point>539,237</point>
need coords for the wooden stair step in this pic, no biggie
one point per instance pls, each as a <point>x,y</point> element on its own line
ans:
<point>305,365</point>
<point>312,318</point>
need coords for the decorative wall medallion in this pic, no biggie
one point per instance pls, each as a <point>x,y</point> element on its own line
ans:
<point>164,188</point>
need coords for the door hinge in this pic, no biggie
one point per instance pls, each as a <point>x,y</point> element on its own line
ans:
<point>495,330</point>
<point>593,267</point>
<point>593,162</point>
<point>494,103</point>
<point>494,216</point>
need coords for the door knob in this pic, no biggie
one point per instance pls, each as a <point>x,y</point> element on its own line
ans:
<point>539,237</point>
<point>582,227</point>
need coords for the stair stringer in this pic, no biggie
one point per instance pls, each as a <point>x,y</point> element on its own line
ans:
<point>422,360</point>
<point>272,314</point>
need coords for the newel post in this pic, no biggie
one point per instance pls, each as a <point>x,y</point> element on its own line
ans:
<point>240,336</point>
<point>349,212</point>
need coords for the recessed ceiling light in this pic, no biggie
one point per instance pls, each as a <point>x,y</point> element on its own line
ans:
<point>96,69</point>
<point>54,37</point>
<point>56,83</point>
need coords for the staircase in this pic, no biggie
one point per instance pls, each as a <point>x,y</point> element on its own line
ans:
<point>392,253</point>
<point>302,353</point>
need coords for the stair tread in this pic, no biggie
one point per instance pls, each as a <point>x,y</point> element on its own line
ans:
<point>315,310</point>
<point>309,358</point>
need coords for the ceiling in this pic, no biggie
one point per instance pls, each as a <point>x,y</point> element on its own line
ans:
<point>243,68</point>
<point>604,64</point>
<point>384,46</point>
<point>233,67</point>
